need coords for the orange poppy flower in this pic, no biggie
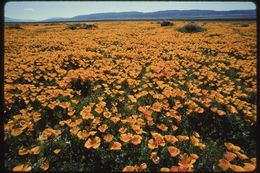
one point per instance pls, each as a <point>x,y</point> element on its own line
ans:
<point>194,140</point>
<point>240,155</point>
<point>136,139</point>
<point>237,168</point>
<point>47,131</point>
<point>232,147</point>
<point>126,137</point>
<point>115,146</point>
<point>56,132</point>
<point>122,130</point>
<point>249,167</point>
<point>164,170</point>
<point>43,137</point>
<point>129,169</point>
<point>56,151</point>
<point>154,157</point>
<point>170,138</point>
<point>35,150</point>
<point>115,119</point>
<point>157,107</point>
<point>173,151</point>
<point>107,114</point>
<point>108,138</point>
<point>74,130</point>
<point>230,156</point>
<point>174,128</point>
<point>162,127</point>
<point>45,166</point>
<point>102,128</point>
<point>182,138</point>
<point>223,164</point>
<point>83,134</point>
<point>23,151</point>
<point>141,167</point>
<point>221,113</point>
<point>17,131</point>
<point>22,167</point>
<point>93,142</point>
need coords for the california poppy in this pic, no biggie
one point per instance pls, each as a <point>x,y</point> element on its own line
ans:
<point>115,146</point>
<point>173,151</point>
<point>93,142</point>
<point>22,167</point>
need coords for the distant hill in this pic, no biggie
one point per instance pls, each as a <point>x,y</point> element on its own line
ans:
<point>8,19</point>
<point>168,14</point>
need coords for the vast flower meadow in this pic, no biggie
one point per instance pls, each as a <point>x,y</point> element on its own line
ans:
<point>130,96</point>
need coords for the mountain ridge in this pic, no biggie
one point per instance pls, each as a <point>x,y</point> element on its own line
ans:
<point>165,14</point>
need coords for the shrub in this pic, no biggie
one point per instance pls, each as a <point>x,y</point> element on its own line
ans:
<point>244,25</point>
<point>88,26</point>
<point>15,26</point>
<point>191,28</point>
<point>166,23</point>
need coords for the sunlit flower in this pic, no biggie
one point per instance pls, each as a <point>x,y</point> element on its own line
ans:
<point>129,169</point>
<point>170,138</point>
<point>56,151</point>
<point>17,131</point>
<point>93,142</point>
<point>136,139</point>
<point>102,128</point>
<point>173,151</point>
<point>115,146</point>
<point>157,107</point>
<point>230,156</point>
<point>35,150</point>
<point>164,170</point>
<point>22,168</point>
<point>182,138</point>
<point>224,164</point>
<point>154,157</point>
<point>108,138</point>
<point>125,137</point>
<point>237,168</point>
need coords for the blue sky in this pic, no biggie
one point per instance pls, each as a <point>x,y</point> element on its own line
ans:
<point>37,10</point>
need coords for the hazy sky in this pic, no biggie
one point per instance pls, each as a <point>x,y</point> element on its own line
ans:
<point>46,9</point>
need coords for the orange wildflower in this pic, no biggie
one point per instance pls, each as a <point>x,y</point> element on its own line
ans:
<point>83,134</point>
<point>223,164</point>
<point>23,151</point>
<point>230,156</point>
<point>56,151</point>
<point>102,128</point>
<point>237,168</point>
<point>17,131</point>
<point>115,146</point>
<point>22,167</point>
<point>108,138</point>
<point>170,138</point>
<point>249,167</point>
<point>129,169</point>
<point>93,142</point>
<point>173,151</point>
<point>126,137</point>
<point>157,107</point>
<point>107,114</point>
<point>162,127</point>
<point>35,150</point>
<point>136,139</point>
<point>45,166</point>
<point>182,138</point>
<point>154,157</point>
<point>164,170</point>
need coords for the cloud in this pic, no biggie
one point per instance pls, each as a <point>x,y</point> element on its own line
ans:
<point>28,9</point>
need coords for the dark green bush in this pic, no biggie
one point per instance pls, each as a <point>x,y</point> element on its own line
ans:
<point>191,28</point>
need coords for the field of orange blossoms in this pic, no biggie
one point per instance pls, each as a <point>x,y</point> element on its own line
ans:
<point>130,96</point>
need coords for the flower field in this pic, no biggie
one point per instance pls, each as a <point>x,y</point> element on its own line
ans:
<point>130,96</point>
